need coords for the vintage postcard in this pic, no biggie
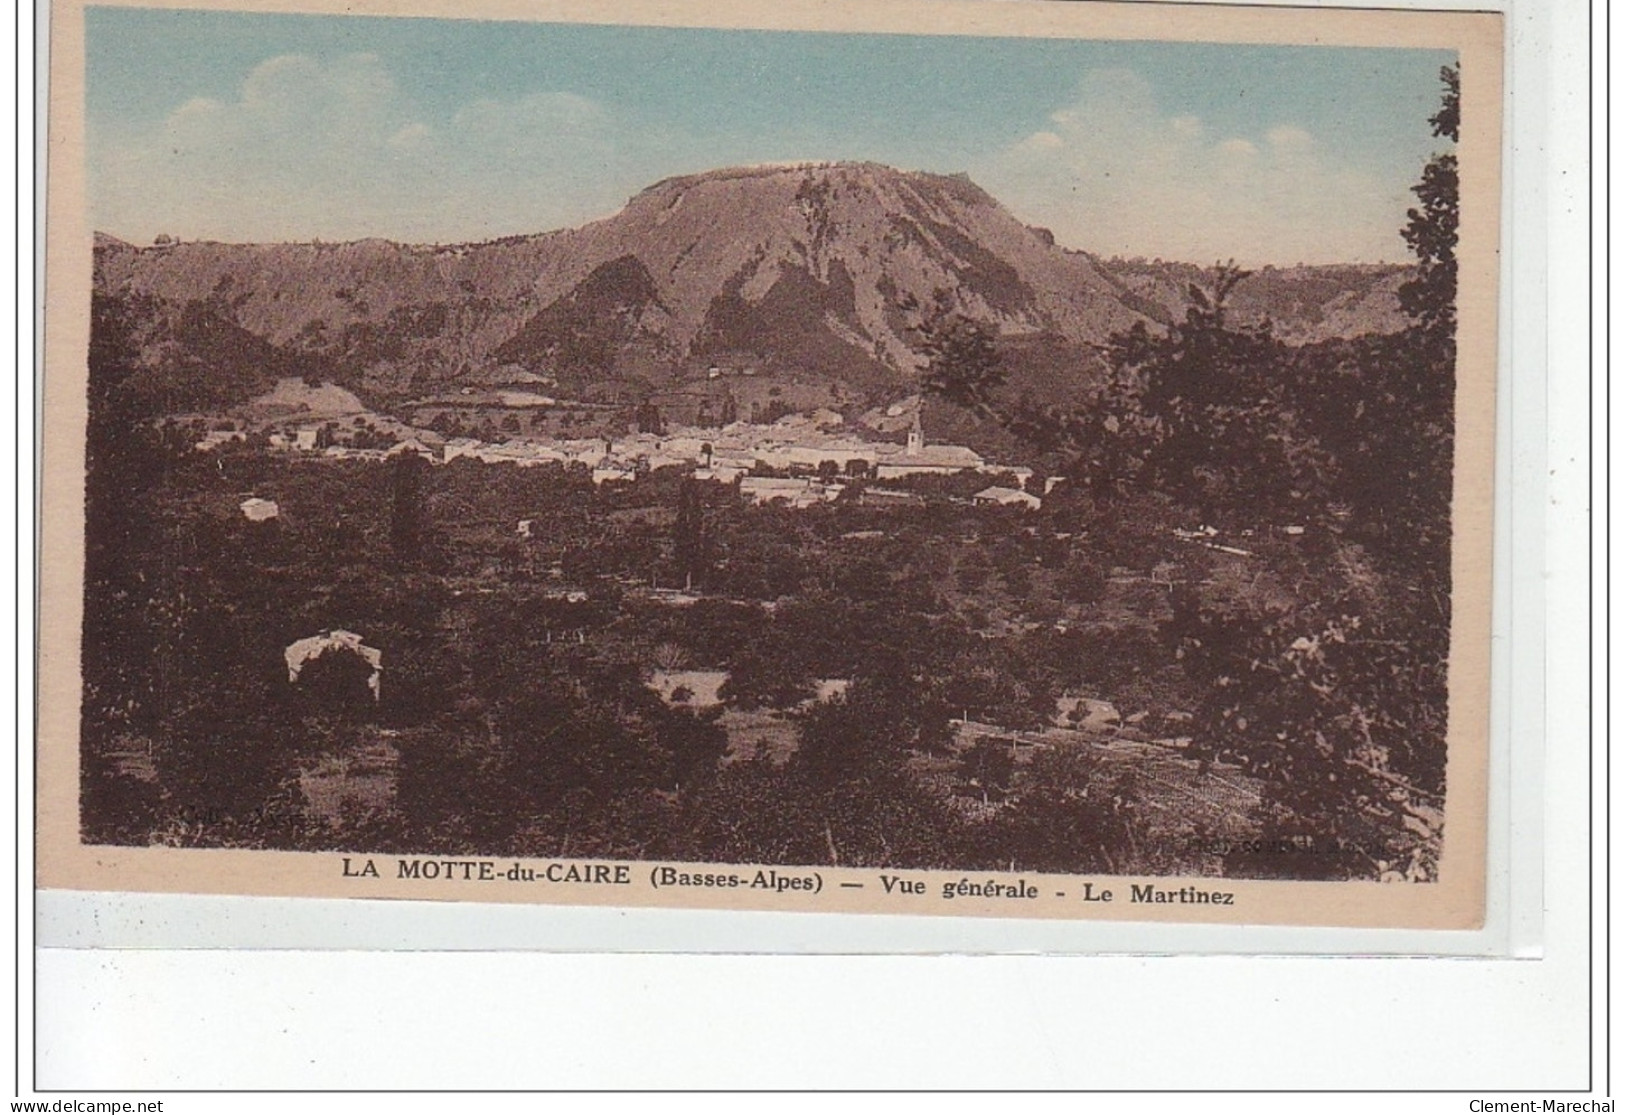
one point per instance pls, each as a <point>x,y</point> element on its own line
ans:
<point>930,456</point>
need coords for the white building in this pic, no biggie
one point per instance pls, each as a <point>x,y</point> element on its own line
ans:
<point>613,474</point>
<point>257,510</point>
<point>411,445</point>
<point>1007,497</point>
<point>932,460</point>
<point>796,491</point>
<point>214,439</point>
<point>460,447</point>
<point>919,459</point>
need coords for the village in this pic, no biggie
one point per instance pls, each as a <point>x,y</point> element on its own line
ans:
<point>800,459</point>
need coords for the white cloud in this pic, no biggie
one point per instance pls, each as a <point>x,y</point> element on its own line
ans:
<point>1044,141</point>
<point>1287,137</point>
<point>1115,174</point>
<point>336,149</point>
<point>1188,127</point>
<point>412,137</point>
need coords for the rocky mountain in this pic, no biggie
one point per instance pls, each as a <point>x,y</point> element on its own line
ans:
<point>797,274</point>
<point>1304,304</point>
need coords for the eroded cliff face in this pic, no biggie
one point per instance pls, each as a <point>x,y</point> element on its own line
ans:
<point>805,270</point>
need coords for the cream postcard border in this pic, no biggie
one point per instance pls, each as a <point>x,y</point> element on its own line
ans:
<point>1456,901</point>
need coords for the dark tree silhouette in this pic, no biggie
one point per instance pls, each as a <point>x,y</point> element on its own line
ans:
<point>648,420</point>
<point>335,683</point>
<point>1388,411</point>
<point>770,672</point>
<point>406,525</point>
<point>963,364</point>
<point>1431,228</point>
<point>695,743</point>
<point>693,544</point>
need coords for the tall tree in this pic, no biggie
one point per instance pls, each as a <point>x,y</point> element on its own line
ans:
<point>406,506</point>
<point>692,543</point>
<point>1340,704</point>
<point>962,357</point>
<point>1212,393</point>
<point>1432,226</point>
<point>1387,407</point>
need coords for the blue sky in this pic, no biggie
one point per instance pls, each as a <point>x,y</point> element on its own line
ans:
<point>239,126</point>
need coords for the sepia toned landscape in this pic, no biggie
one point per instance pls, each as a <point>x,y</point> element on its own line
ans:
<point>796,513</point>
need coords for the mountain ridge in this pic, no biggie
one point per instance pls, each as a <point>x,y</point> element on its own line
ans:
<point>804,272</point>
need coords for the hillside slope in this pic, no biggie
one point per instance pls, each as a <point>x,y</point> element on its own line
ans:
<point>801,273</point>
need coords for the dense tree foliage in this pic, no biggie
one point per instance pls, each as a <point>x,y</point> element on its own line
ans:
<point>1431,227</point>
<point>1334,693</point>
<point>962,358</point>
